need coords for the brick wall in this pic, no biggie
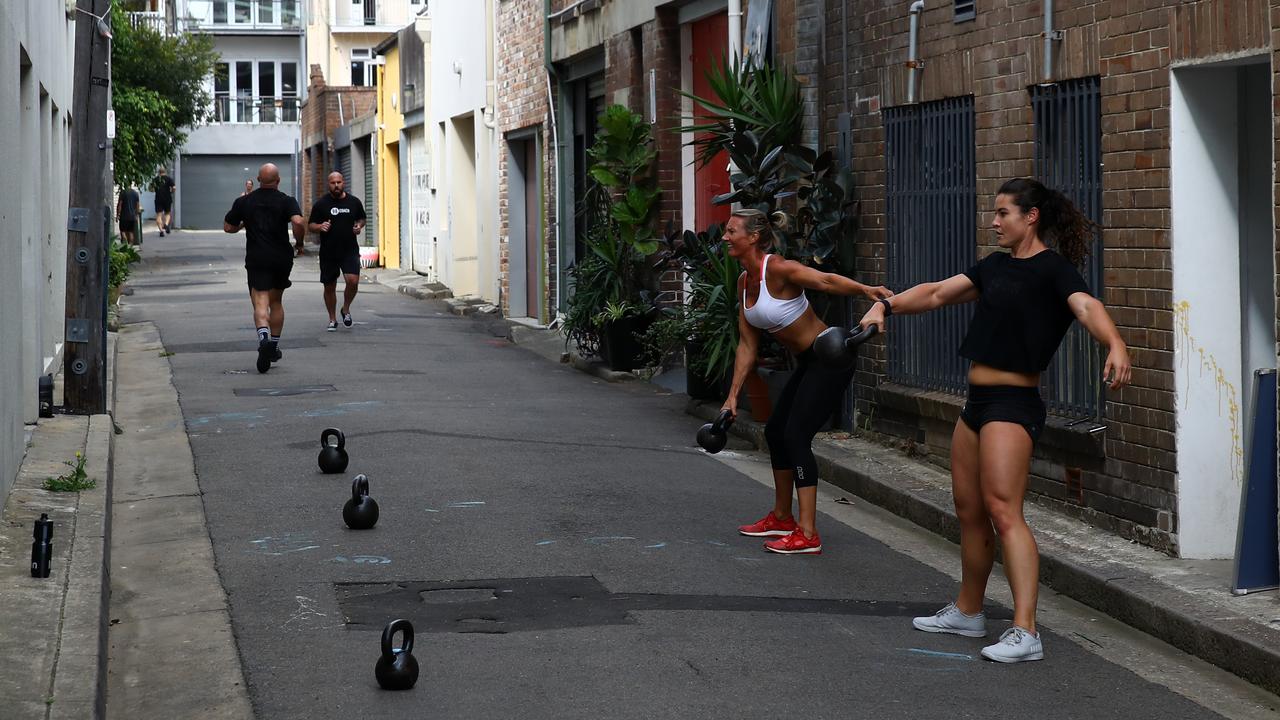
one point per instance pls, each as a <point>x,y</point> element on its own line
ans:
<point>1130,45</point>
<point>522,105</point>
<point>320,118</point>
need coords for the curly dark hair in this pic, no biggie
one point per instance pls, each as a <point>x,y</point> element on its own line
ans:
<point>1062,225</point>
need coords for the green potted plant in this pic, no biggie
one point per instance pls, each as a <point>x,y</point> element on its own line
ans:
<point>614,287</point>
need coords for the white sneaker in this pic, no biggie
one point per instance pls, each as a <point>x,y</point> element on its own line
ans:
<point>950,620</point>
<point>1016,645</point>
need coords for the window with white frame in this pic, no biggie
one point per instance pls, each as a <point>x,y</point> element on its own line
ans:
<point>364,71</point>
<point>255,91</point>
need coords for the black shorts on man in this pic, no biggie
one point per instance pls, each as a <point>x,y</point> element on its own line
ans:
<point>339,244</point>
<point>128,225</point>
<point>333,266</point>
<point>269,277</point>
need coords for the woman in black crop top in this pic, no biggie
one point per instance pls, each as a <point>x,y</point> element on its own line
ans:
<point>1026,300</point>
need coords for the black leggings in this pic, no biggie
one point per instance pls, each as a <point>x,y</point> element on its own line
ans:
<point>810,398</point>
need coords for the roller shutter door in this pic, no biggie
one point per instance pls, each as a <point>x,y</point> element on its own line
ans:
<point>208,184</point>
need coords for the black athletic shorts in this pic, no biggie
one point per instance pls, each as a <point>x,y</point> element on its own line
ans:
<point>269,277</point>
<point>128,225</point>
<point>331,267</point>
<point>1005,403</point>
<point>163,206</point>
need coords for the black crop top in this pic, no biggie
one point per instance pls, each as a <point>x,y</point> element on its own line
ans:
<point>1022,312</point>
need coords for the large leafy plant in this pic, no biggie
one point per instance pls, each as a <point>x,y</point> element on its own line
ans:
<point>613,279</point>
<point>756,118</point>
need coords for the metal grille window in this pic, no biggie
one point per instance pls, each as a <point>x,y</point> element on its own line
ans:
<point>931,229</point>
<point>1068,158</point>
<point>964,10</point>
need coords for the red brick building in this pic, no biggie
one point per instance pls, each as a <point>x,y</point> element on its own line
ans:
<point>326,109</point>
<point>1155,117</point>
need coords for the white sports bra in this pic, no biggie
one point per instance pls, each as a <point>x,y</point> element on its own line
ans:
<point>769,313</point>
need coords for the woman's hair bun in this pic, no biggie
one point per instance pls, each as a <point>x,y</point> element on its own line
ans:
<point>779,219</point>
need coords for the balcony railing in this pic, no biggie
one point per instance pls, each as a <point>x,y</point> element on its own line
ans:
<point>255,110</point>
<point>152,20</point>
<point>354,16</point>
<point>214,15</point>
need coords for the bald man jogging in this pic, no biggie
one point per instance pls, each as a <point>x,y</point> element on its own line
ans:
<point>338,217</point>
<point>266,214</point>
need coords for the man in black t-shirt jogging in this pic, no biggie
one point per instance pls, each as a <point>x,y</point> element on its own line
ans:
<point>164,187</point>
<point>338,217</point>
<point>266,214</point>
<point>129,215</point>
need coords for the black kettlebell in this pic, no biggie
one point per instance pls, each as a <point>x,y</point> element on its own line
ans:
<point>397,669</point>
<point>360,512</point>
<point>837,347</point>
<point>713,436</point>
<point>333,458</point>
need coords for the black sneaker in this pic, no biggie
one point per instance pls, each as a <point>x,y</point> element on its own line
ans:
<point>277,356</point>
<point>346,318</point>
<point>264,355</point>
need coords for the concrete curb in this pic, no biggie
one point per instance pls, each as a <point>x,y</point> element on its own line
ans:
<point>1121,590</point>
<point>53,632</point>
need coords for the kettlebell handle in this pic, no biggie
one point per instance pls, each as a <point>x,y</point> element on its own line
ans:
<point>862,336</point>
<point>333,432</point>
<point>406,646</point>
<point>723,421</point>
<point>359,487</point>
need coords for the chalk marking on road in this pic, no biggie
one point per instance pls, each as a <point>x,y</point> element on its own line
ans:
<point>608,538</point>
<point>304,612</point>
<point>544,542</point>
<point>430,510</point>
<point>341,409</point>
<point>466,503</point>
<point>939,654</point>
<point>657,545</point>
<point>717,543</point>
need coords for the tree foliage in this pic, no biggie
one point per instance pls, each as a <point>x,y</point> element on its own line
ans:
<point>158,94</point>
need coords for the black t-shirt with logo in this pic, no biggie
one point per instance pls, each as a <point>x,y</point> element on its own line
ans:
<point>265,213</point>
<point>1022,312</point>
<point>342,215</point>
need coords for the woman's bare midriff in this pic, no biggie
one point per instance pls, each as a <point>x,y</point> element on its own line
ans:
<point>799,335</point>
<point>980,374</point>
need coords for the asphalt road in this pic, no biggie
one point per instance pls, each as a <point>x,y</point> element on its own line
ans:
<point>560,544</point>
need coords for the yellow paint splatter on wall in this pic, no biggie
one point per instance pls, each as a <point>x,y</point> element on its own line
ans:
<point>1186,348</point>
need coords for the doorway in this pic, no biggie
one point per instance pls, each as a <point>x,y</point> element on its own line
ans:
<point>524,227</point>
<point>1223,286</point>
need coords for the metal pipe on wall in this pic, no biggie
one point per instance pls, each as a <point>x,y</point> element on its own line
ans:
<point>1050,35</point>
<point>735,29</point>
<point>913,63</point>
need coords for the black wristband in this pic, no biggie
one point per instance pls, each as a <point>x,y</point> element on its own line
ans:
<point>888,308</point>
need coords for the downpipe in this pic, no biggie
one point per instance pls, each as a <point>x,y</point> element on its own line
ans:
<point>913,61</point>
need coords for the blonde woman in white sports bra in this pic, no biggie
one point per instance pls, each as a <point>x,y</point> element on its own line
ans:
<point>771,289</point>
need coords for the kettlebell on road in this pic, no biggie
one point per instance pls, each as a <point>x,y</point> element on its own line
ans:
<point>397,669</point>
<point>333,458</point>
<point>360,512</point>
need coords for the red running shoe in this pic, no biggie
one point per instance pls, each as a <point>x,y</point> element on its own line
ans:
<point>796,544</point>
<point>768,526</point>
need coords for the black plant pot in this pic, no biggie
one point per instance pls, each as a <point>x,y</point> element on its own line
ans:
<point>699,386</point>
<point>620,344</point>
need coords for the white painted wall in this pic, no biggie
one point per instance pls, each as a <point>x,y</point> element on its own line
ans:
<point>1207,319</point>
<point>35,107</point>
<point>466,203</point>
<point>242,139</point>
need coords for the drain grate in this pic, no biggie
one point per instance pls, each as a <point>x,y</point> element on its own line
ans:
<point>284,391</point>
<point>551,603</point>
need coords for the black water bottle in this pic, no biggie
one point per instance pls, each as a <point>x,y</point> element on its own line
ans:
<point>42,548</point>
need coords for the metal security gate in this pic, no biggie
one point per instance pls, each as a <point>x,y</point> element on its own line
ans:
<point>370,204</point>
<point>210,183</point>
<point>931,232</point>
<point>1068,157</point>
<point>344,166</point>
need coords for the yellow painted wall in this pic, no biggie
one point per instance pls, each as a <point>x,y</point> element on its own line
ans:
<point>390,121</point>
